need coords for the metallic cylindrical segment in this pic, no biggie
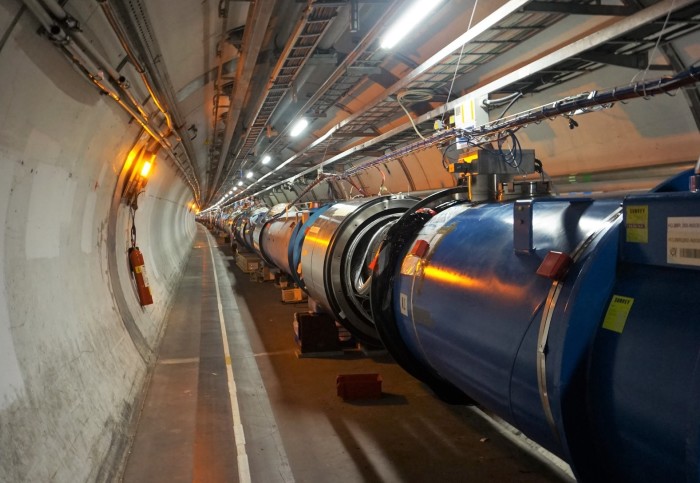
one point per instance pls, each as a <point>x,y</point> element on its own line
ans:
<point>350,276</point>
<point>298,236</point>
<point>255,226</point>
<point>276,238</point>
<point>336,253</point>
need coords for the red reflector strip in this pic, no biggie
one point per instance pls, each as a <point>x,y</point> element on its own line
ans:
<point>555,265</point>
<point>373,264</point>
<point>420,248</point>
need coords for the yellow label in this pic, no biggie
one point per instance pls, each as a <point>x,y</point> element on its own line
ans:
<point>618,311</point>
<point>138,268</point>
<point>637,224</point>
<point>469,158</point>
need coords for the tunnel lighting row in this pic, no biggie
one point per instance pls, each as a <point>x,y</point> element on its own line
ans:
<point>249,175</point>
<point>411,17</point>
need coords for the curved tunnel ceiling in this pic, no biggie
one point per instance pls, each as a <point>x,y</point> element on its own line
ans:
<point>263,65</point>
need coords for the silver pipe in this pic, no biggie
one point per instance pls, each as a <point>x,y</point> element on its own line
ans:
<point>84,62</point>
<point>119,32</point>
<point>119,79</point>
<point>59,13</point>
<point>55,9</point>
<point>81,52</point>
<point>121,36</point>
<point>44,18</point>
<point>58,35</point>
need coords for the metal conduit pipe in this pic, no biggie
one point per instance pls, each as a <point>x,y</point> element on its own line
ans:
<point>42,15</point>
<point>119,79</point>
<point>59,36</point>
<point>72,25</point>
<point>121,36</point>
<point>60,14</point>
<point>90,67</point>
<point>55,9</point>
<point>219,65</point>
<point>77,50</point>
<point>123,40</point>
<point>75,55</point>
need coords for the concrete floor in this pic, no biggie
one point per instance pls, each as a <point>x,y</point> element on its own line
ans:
<point>289,424</point>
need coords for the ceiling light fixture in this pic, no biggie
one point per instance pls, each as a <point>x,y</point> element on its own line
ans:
<point>299,127</point>
<point>411,17</point>
<point>266,159</point>
<point>249,174</point>
<point>240,182</point>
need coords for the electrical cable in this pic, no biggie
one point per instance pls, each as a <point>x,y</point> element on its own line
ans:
<point>413,96</point>
<point>132,214</point>
<point>656,45</point>
<point>513,156</point>
<point>444,154</point>
<point>459,59</point>
<point>510,104</point>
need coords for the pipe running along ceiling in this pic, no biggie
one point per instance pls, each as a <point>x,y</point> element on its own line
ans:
<point>220,87</point>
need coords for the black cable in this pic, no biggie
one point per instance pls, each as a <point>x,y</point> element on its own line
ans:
<point>512,157</point>
<point>389,254</point>
<point>510,104</point>
<point>444,155</point>
<point>132,213</point>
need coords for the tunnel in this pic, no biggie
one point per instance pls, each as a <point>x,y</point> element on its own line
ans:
<point>496,214</point>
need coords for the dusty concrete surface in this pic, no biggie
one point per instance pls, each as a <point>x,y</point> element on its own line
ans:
<point>295,426</point>
<point>70,374</point>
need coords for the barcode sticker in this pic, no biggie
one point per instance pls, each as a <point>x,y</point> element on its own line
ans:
<point>683,240</point>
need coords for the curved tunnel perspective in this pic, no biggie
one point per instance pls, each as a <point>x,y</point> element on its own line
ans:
<point>500,213</point>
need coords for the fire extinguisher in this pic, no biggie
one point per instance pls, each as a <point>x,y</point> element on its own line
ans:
<point>138,268</point>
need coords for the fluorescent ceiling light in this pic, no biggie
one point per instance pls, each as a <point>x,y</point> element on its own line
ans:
<point>266,159</point>
<point>299,127</point>
<point>230,192</point>
<point>235,188</point>
<point>240,182</point>
<point>249,174</point>
<point>411,17</point>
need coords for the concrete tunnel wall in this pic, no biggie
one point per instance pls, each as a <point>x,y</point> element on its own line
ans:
<point>72,374</point>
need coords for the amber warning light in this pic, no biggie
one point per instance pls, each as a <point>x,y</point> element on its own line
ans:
<point>146,168</point>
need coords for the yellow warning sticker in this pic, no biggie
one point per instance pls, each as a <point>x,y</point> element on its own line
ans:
<point>618,311</point>
<point>637,224</point>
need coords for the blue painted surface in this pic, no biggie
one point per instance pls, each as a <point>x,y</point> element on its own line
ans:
<point>625,406</point>
<point>643,414</point>
<point>660,207</point>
